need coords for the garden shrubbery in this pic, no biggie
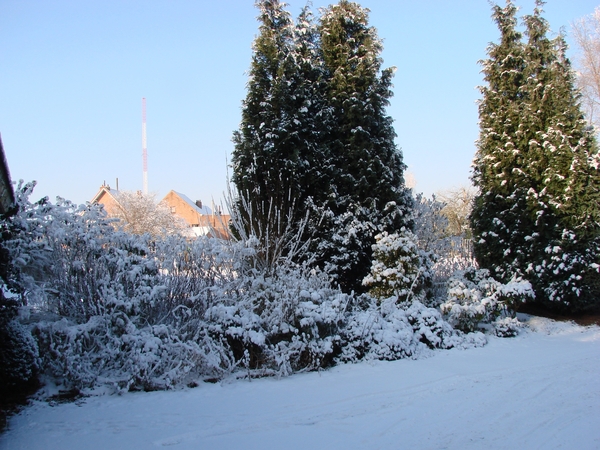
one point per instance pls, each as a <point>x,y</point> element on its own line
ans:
<point>474,299</point>
<point>111,310</point>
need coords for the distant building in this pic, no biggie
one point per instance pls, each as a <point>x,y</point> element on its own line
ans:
<point>108,198</point>
<point>7,195</point>
<point>199,217</point>
<point>201,220</point>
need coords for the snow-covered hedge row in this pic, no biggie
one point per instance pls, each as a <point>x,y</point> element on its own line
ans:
<point>120,354</point>
<point>110,309</point>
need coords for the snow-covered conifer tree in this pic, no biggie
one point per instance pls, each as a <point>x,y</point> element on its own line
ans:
<point>496,214</point>
<point>536,215</point>
<point>366,190</point>
<point>315,138</point>
<point>269,145</point>
<point>397,268</point>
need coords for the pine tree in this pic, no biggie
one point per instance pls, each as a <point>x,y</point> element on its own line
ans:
<point>536,215</point>
<point>566,273</point>
<point>366,193</point>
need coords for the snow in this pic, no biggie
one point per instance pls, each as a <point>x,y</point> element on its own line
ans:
<point>537,390</point>
<point>205,210</point>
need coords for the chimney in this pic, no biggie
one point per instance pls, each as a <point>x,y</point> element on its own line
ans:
<point>199,203</point>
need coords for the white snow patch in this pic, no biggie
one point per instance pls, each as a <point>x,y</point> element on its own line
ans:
<point>537,390</point>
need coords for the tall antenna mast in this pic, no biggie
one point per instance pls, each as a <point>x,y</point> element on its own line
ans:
<point>144,148</point>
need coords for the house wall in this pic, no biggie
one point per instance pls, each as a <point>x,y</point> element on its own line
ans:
<point>182,209</point>
<point>193,218</point>
<point>218,223</point>
<point>106,199</point>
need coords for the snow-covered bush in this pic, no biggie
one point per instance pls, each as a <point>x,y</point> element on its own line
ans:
<point>388,331</point>
<point>399,267</point>
<point>506,326</point>
<point>141,323</point>
<point>18,356</point>
<point>112,351</point>
<point>282,322</point>
<point>18,350</point>
<point>474,297</point>
<point>128,312</point>
<point>449,252</point>
<point>567,277</point>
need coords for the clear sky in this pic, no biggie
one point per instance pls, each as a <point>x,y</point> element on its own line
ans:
<point>73,74</point>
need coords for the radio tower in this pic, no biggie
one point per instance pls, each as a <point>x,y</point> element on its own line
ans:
<point>144,148</point>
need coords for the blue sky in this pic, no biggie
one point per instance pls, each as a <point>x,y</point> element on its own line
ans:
<point>73,74</point>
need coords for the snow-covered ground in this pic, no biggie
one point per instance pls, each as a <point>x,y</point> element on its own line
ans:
<point>538,390</point>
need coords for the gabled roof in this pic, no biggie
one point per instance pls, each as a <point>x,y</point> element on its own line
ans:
<point>105,190</point>
<point>205,210</point>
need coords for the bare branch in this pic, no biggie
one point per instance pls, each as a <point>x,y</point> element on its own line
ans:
<point>587,35</point>
<point>140,213</point>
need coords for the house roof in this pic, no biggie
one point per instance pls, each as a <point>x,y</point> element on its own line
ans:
<point>114,193</point>
<point>205,210</point>
<point>105,190</point>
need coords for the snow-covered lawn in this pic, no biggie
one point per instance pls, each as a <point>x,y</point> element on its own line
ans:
<point>538,390</point>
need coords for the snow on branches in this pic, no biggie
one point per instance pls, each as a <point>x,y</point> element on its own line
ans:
<point>116,311</point>
<point>474,298</point>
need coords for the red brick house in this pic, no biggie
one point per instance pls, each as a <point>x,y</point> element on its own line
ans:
<point>202,220</point>
<point>108,198</point>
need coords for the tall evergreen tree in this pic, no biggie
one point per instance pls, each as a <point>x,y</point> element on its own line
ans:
<point>366,194</point>
<point>497,218</point>
<point>536,167</point>
<point>267,159</point>
<point>315,137</point>
<point>311,112</point>
<point>570,181</point>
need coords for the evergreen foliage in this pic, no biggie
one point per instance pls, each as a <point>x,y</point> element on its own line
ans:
<point>399,268</point>
<point>537,212</point>
<point>367,193</point>
<point>369,166</point>
<point>474,298</point>
<point>314,137</point>
<point>273,159</point>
